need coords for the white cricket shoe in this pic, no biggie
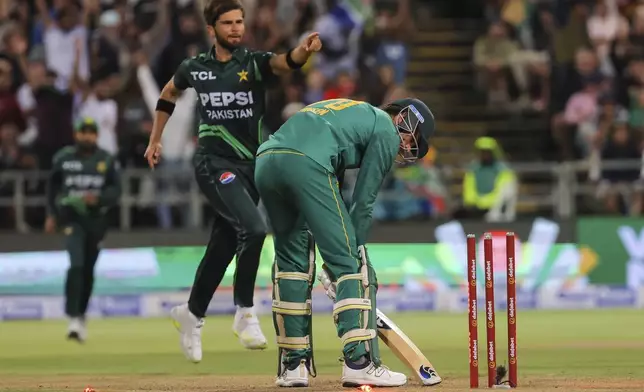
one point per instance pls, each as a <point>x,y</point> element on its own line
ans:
<point>189,327</point>
<point>246,328</point>
<point>77,329</point>
<point>371,375</point>
<point>298,377</point>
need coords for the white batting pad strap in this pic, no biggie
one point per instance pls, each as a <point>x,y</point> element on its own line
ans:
<point>294,343</point>
<point>293,276</point>
<point>357,335</point>
<point>349,277</point>
<point>292,308</point>
<point>351,303</point>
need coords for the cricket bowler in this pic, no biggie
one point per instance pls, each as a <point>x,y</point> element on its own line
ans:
<point>231,83</point>
<point>83,185</point>
<point>296,175</point>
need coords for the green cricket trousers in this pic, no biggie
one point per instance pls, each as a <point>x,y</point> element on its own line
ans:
<point>83,235</point>
<point>301,196</point>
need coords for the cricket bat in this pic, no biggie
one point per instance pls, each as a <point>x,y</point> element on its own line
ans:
<point>406,350</point>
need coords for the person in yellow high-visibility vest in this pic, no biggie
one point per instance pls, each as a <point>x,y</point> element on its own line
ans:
<point>489,185</point>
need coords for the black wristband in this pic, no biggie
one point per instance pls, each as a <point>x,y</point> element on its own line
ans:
<point>289,61</point>
<point>165,106</point>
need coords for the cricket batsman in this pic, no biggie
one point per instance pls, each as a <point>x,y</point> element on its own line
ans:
<point>83,185</point>
<point>296,175</point>
<point>231,82</point>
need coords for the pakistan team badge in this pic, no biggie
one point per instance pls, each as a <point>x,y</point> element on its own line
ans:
<point>101,167</point>
<point>243,76</point>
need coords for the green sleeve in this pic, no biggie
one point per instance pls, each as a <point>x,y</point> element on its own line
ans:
<point>376,163</point>
<point>181,78</point>
<point>111,192</point>
<point>54,185</point>
<point>262,67</point>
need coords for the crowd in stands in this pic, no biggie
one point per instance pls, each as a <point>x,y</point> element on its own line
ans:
<point>578,62</point>
<point>61,60</point>
<point>581,63</point>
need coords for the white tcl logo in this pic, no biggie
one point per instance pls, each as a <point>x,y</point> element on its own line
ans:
<point>203,75</point>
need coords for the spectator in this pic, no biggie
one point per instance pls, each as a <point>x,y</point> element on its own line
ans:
<point>610,112</point>
<point>344,87</point>
<point>15,51</point>
<point>395,202</point>
<point>293,102</point>
<point>490,187</point>
<point>9,109</point>
<point>384,86</point>
<point>95,102</point>
<point>177,140</point>
<point>51,112</point>
<point>569,38</point>
<point>586,71</point>
<point>314,87</point>
<point>634,84</point>
<point>492,55</point>
<point>579,118</point>
<point>392,49</point>
<point>603,27</point>
<point>339,30</point>
<point>296,20</point>
<point>63,33</point>
<point>12,156</point>
<point>107,46</point>
<point>191,36</point>
<point>424,181</point>
<point>621,189</point>
<point>621,52</point>
<point>266,34</point>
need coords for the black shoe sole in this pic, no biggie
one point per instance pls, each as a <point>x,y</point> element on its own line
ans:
<point>74,336</point>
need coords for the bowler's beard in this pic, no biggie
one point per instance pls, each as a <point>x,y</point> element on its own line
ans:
<point>86,147</point>
<point>225,44</point>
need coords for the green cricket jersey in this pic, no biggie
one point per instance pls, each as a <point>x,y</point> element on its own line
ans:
<point>75,175</point>
<point>342,134</point>
<point>231,100</point>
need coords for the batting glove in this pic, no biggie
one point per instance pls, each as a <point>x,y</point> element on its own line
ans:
<point>329,286</point>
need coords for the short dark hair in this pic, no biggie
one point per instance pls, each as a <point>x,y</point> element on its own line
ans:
<point>215,8</point>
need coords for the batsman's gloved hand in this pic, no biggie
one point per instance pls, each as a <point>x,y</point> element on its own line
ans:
<point>329,286</point>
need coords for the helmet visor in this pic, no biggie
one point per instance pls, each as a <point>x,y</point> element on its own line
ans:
<point>407,125</point>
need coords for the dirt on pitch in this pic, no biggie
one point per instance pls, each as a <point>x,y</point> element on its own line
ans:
<point>209,383</point>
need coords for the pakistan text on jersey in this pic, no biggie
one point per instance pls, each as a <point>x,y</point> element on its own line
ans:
<point>229,114</point>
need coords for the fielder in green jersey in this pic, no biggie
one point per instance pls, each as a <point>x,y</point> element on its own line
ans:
<point>83,185</point>
<point>296,175</point>
<point>230,82</point>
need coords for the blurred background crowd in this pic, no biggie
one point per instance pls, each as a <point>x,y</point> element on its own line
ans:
<point>566,77</point>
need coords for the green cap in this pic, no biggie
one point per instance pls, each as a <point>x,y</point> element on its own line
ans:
<point>86,124</point>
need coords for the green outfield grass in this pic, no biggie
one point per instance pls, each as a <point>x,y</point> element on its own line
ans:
<point>598,350</point>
